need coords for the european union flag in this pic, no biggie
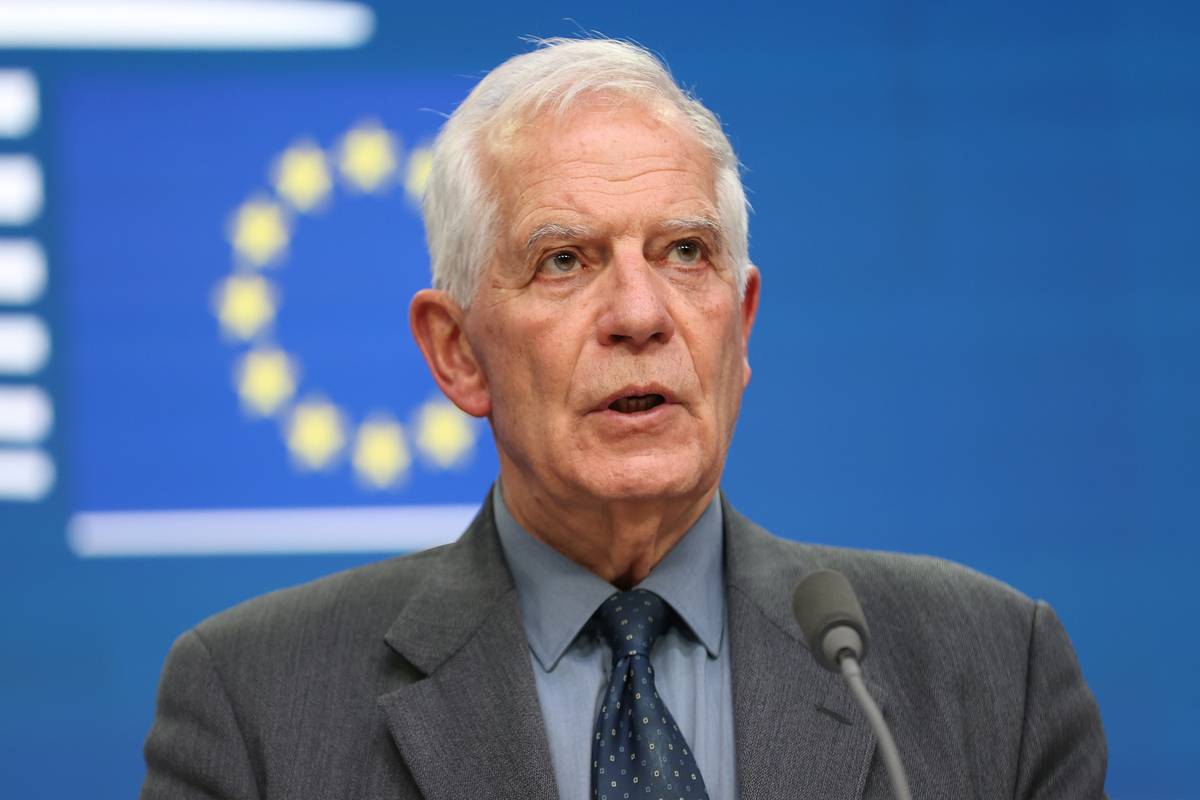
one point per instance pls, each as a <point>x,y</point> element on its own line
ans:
<point>239,256</point>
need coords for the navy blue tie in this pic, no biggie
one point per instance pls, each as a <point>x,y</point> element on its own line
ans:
<point>638,750</point>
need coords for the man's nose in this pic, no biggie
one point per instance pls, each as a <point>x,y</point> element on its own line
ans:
<point>636,312</point>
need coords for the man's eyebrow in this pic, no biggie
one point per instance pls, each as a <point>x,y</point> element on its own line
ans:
<point>555,230</point>
<point>571,233</point>
<point>706,224</point>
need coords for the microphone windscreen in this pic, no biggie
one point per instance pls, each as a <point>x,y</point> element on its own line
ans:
<point>823,600</point>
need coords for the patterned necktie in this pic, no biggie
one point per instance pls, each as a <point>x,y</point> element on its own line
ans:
<point>638,751</point>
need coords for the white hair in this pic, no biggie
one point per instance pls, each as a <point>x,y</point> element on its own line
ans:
<point>460,207</point>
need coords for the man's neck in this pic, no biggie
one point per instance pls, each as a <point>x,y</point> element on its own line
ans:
<point>621,541</point>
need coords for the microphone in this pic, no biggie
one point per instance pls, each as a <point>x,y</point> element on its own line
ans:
<point>836,630</point>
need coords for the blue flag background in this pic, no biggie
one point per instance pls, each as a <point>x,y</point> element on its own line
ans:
<point>156,172</point>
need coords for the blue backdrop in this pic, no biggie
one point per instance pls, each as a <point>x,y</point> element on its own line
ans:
<point>979,335</point>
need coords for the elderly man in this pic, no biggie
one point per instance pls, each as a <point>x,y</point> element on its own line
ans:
<point>608,626</point>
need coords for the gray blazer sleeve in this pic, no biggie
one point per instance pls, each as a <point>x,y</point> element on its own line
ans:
<point>195,748</point>
<point>1063,752</point>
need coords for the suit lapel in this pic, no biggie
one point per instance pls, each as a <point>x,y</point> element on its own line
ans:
<point>473,727</point>
<point>799,733</point>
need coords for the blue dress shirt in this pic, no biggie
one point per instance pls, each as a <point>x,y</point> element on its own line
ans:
<point>572,665</point>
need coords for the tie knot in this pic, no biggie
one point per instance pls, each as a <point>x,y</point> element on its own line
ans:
<point>631,622</point>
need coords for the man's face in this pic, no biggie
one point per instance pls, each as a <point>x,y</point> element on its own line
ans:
<point>607,324</point>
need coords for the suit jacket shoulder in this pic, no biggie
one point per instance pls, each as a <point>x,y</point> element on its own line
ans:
<point>320,619</point>
<point>980,683</point>
<point>340,687</point>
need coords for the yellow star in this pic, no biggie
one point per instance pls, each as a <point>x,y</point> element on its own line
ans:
<point>244,304</point>
<point>302,177</point>
<point>381,457</point>
<point>315,434</point>
<point>259,232</point>
<point>444,434</point>
<point>420,164</point>
<point>367,156</point>
<point>266,379</point>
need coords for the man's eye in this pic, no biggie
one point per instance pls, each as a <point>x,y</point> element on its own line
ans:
<point>689,251</point>
<point>560,263</point>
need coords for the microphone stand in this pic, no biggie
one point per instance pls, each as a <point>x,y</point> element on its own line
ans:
<point>887,745</point>
<point>833,623</point>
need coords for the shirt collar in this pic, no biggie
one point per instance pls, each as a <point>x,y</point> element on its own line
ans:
<point>559,596</point>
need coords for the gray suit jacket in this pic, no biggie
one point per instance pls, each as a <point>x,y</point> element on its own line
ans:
<point>412,678</point>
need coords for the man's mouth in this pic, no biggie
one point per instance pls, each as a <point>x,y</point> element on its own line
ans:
<point>635,403</point>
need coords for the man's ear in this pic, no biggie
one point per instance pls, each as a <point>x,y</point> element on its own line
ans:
<point>437,325</point>
<point>749,308</point>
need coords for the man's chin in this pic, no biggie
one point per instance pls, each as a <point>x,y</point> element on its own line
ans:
<point>645,477</point>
